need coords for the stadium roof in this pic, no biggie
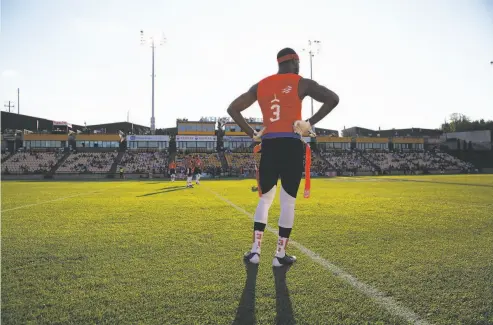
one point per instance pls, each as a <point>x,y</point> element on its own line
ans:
<point>187,121</point>
<point>413,131</point>
<point>116,126</point>
<point>25,122</point>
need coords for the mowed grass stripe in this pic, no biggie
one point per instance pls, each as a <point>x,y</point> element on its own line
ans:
<point>386,302</point>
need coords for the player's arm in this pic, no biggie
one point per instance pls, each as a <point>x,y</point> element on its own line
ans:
<point>239,105</point>
<point>321,94</point>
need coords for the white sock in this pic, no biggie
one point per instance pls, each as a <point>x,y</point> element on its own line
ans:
<point>257,241</point>
<point>281,246</point>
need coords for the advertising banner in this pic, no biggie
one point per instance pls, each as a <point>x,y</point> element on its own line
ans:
<point>62,123</point>
<point>198,138</point>
<point>237,139</point>
<point>159,138</point>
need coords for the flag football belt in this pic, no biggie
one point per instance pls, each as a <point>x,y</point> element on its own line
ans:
<point>308,163</point>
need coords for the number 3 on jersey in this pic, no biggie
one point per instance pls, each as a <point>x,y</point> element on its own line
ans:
<point>276,109</point>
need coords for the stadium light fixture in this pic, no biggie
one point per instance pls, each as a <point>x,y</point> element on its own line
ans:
<point>312,49</point>
<point>153,41</point>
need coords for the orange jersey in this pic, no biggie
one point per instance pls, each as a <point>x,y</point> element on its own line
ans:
<point>279,101</point>
<point>172,165</point>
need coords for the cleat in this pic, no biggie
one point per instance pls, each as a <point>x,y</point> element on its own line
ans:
<point>250,257</point>
<point>282,261</point>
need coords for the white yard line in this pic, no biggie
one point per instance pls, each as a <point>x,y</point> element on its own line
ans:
<point>388,303</point>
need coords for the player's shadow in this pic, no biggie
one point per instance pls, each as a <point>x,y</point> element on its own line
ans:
<point>284,308</point>
<point>245,314</point>
<point>164,190</point>
<point>172,187</point>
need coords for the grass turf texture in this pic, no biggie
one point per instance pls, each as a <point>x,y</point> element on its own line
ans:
<point>156,253</point>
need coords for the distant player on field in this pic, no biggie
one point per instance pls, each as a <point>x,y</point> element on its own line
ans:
<point>189,173</point>
<point>197,171</point>
<point>280,97</point>
<point>172,171</point>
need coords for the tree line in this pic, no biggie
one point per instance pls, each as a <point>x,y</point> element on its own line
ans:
<point>461,123</point>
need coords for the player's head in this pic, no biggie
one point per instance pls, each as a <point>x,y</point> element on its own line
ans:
<point>288,61</point>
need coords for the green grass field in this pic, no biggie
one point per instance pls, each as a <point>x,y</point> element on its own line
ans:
<point>150,252</point>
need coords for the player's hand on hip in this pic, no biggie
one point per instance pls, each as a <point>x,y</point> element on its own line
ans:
<point>303,128</point>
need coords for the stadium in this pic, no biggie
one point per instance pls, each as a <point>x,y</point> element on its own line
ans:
<point>398,229</point>
<point>188,162</point>
<point>61,150</point>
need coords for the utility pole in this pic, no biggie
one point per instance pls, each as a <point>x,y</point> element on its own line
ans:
<point>18,101</point>
<point>151,40</point>
<point>9,104</point>
<point>313,49</point>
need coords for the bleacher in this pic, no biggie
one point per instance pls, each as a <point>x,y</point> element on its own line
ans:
<point>452,162</point>
<point>357,161</point>
<point>347,161</point>
<point>31,163</point>
<point>416,161</point>
<point>246,161</point>
<point>319,165</point>
<point>144,162</point>
<point>209,161</point>
<point>88,162</point>
<point>147,153</point>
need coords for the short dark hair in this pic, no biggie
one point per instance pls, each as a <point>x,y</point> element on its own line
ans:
<point>285,51</point>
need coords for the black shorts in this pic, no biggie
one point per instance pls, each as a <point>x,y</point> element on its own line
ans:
<point>172,171</point>
<point>281,158</point>
<point>197,171</point>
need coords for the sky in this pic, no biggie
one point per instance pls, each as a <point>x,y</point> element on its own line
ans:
<point>394,64</point>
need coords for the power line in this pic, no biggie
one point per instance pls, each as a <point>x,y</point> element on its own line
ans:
<point>9,104</point>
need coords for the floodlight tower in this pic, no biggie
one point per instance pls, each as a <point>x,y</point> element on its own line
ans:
<point>312,49</point>
<point>153,41</point>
